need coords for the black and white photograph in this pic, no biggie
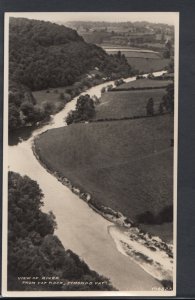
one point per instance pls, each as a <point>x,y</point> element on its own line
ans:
<point>90,153</point>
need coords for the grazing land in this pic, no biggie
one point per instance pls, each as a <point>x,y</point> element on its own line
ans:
<point>127,104</point>
<point>126,165</point>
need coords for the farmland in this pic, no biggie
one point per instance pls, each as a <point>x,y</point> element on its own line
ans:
<point>126,165</point>
<point>144,83</point>
<point>127,104</point>
<point>142,60</point>
<point>137,54</point>
<point>146,65</point>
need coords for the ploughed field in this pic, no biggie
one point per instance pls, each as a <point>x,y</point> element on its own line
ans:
<point>125,165</point>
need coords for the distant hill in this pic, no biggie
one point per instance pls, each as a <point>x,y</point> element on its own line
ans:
<point>46,55</point>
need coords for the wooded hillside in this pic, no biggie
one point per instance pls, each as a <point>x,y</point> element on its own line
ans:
<point>46,55</point>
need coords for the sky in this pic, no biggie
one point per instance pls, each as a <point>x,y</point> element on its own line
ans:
<point>170,18</point>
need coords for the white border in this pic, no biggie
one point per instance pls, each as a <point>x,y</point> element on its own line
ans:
<point>6,293</point>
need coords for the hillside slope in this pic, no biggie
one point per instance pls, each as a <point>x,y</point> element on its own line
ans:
<point>46,55</point>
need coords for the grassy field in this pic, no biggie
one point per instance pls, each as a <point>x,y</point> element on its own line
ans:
<point>126,165</point>
<point>148,65</point>
<point>144,83</point>
<point>121,104</point>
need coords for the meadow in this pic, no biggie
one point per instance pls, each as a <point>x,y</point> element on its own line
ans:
<point>127,104</point>
<point>126,165</point>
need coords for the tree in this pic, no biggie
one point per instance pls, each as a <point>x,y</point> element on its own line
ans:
<point>161,109</point>
<point>85,106</point>
<point>170,66</point>
<point>103,90</point>
<point>27,109</point>
<point>150,107</point>
<point>168,98</point>
<point>119,54</point>
<point>85,110</point>
<point>14,117</point>
<point>72,117</point>
<point>48,107</point>
<point>168,49</point>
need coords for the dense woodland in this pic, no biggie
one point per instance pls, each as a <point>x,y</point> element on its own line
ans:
<point>46,55</point>
<point>34,250</point>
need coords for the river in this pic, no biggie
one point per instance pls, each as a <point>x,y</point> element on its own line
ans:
<point>80,228</point>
